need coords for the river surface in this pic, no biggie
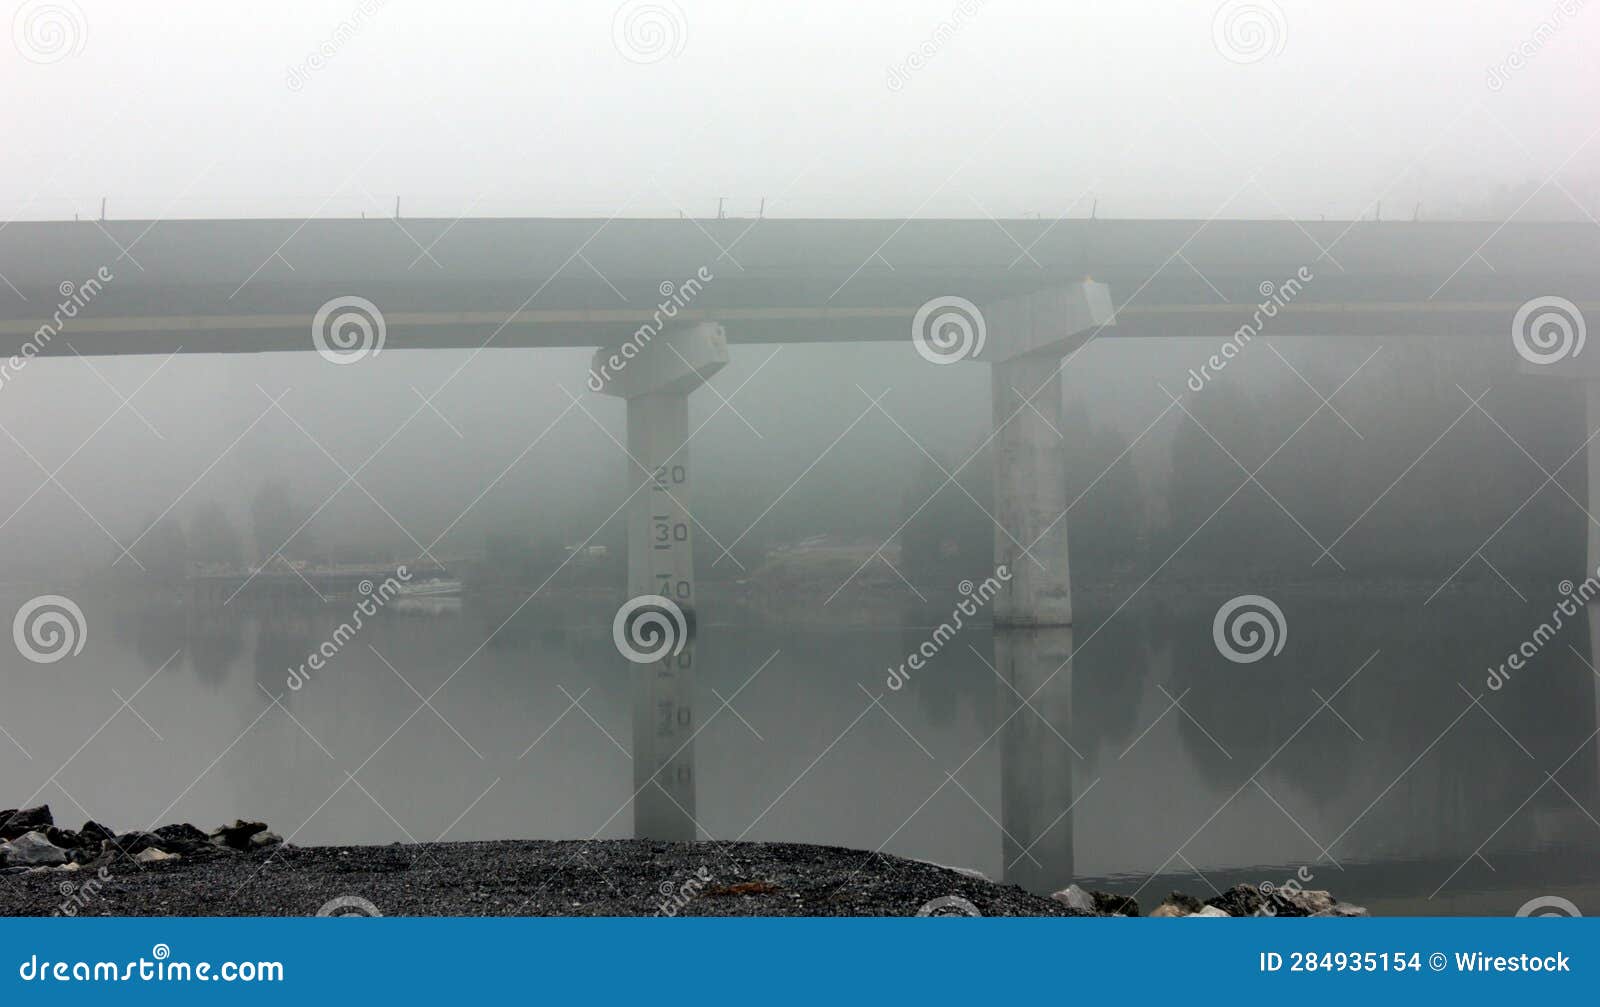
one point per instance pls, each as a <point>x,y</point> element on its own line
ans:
<point>1368,756</point>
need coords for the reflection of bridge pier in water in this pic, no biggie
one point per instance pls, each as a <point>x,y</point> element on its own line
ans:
<point>663,749</point>
<point>1035,763</point>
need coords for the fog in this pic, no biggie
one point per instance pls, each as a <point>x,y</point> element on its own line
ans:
<point>1424,478</point>
<point>514,109</point>
<point>531,109</point>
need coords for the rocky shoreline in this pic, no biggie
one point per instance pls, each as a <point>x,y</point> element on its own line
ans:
<point>244,869</point>
<point>30,843</point>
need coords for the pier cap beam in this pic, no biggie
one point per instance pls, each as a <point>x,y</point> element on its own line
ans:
<point>664,363</point>
<point>1046,323</point>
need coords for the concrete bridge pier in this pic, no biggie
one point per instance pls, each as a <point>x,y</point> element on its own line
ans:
<point>1571,365</point>
<point>1036,778</point>
<point>1591,391</point>
<point>1027,338</point>
<point>655,376</point>
<point>663,749</point>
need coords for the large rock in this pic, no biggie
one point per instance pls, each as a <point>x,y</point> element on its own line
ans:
<point>1177,904</point>
<point>1248,900</point>
<point>1343,909</point>
<point>263,840</point>
<point>132,843</point>
<point>153,855</point>
<point>1108,904</point>
<point>236,836</point>
<point>1309,900</point>
<point>1240,900</point>
<point>1099,903</point>
<point>93,834</point>
<point>15,824</point>
<point>1074,897</point>
<point>1209,912</point>
<point>31,849</point>
<point>182,838</point>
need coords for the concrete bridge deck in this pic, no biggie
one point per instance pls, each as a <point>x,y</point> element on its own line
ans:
<point>212,286</point>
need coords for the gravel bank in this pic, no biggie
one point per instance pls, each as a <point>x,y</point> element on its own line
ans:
<point>521,878</point>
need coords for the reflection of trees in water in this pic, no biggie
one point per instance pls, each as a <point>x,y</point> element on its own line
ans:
<point>1454,501</point>
<point>210,640</point>
<point>1112,670</point>
<point>954,678</point>
<point>282,643</point>
<point>152,632</point>
<point>543,622</point>
<point>1401,703</point>
<point>214,642</point>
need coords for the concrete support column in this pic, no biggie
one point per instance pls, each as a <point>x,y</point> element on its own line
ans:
<point>656,377</point>
<point>1027,338</point>
<point>663,754</point>
<point>1030,494</point>
<point>660,531</point>
<point>1591,390</point>
<point>1035,762</point>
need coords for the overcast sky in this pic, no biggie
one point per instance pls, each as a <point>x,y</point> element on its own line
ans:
<point>1240,109</point>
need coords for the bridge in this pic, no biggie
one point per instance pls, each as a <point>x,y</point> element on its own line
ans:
<point>662,299</point>
<point>223,286</point>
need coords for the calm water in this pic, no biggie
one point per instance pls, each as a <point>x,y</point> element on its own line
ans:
<point>1150,762</point>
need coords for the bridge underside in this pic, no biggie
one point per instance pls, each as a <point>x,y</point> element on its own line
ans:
<point>266,285</point>
<point>255,285</point>
<point>528,328</point>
